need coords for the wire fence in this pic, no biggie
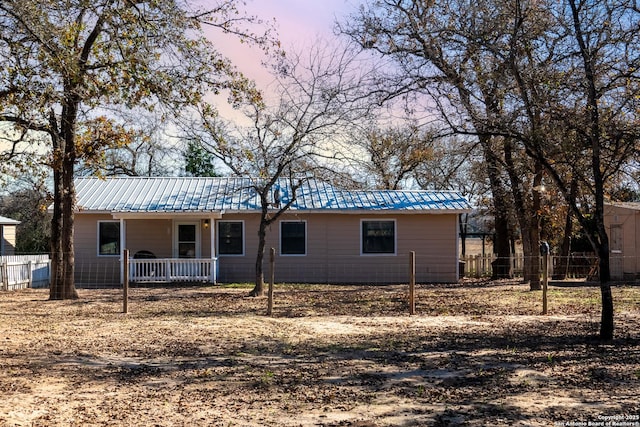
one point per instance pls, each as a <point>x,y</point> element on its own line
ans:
<point>18,272</point>
<point>371,270</point>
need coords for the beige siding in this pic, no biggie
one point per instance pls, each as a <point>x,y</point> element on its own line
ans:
<point>333,251</point>
<point>236,268</point>
<point>91,269</point>
<point>623,229</point>
<point>153,235</point>
<point>8,239</point>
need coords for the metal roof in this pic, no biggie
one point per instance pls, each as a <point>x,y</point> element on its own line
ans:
<point>8,221</point>
<point>634,206</point>
<point>194,195</point>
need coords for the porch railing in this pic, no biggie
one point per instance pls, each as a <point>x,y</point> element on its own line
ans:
<point>173,270</point>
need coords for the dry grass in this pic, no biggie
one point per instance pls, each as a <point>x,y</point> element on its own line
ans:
<point>475,354</point>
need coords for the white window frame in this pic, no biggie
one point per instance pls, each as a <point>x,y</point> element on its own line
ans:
<point>219,236</point>
<point>98,238</point>
<point>176,242</point>
<point>395,237</point>
<point>305,236</point>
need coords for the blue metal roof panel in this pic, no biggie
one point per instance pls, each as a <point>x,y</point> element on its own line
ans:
<point>237,194</point>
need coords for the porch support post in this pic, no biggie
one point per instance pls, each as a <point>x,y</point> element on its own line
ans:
<point>123,245</point>
<point>214,266</point>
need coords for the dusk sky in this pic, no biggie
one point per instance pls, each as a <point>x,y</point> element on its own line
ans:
<point>299,22</point>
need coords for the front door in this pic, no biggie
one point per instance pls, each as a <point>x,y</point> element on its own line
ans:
<point>187,240</point>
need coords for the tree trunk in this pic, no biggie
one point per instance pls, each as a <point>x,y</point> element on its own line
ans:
<point>560,273</point>
<point>463,234</point>
<point>68,201</point>
<point>531,252</point>
<point>57,219</point>
<point>534,230</point>
<point>258,289</point>
<point>606,321</point>
<point>527,212</point>
<point>501,267</point>
<point>63,284</point>
<point>57,276</point>
<point>565,247</point>
<point>595,135</point>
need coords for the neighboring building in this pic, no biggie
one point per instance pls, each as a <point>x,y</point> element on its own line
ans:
<point>622,221</point>
<point>173,226</point>
<point>8,235</point>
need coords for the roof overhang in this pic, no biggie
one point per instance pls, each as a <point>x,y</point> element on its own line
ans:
<point>158,215</point>
<point>633,206</point>
<point>219,214</point>
<point>362,211</point>
<point>8,221</point>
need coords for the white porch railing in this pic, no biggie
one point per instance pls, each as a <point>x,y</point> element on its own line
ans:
<point>173,270</point>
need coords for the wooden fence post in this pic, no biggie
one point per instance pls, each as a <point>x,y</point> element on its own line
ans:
<point>30,266</point>
<point>4,275</point>
<point>545,281</point>
<point>125,287</point>
<point>412,282</point>
<point>478,263</point>
<point>272,275</point>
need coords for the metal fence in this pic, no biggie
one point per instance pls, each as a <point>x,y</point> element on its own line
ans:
<point>363,270</point>
<point>19,272</point>
<point>574,266</point>
<point>24,271</point>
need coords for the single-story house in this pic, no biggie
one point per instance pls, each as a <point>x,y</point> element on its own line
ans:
<point>179,229</point>
<point>622,221</point>
<point>8,235</point>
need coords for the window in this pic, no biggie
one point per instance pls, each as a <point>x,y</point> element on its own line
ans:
<point>378,237</point>
<point>230,238</point>
<point>108,238</point>
<point>187,240</point>
<point>293,238</point>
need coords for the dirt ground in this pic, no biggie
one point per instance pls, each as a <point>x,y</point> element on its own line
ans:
<point>475,354</point>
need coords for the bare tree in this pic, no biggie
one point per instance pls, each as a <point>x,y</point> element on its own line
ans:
<point>388,156</point>
<point>136,144</point>
<point>555,81</point>
<point>319,95</point>
<point>434,46</point>
<point>63,63</point>
<point>581,128</point>
<point>455,164</point>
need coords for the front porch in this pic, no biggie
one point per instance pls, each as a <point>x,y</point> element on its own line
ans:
<point>169,270</point>
<point>164,248</point>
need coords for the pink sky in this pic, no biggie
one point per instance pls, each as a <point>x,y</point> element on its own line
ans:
<point>299,22</point>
